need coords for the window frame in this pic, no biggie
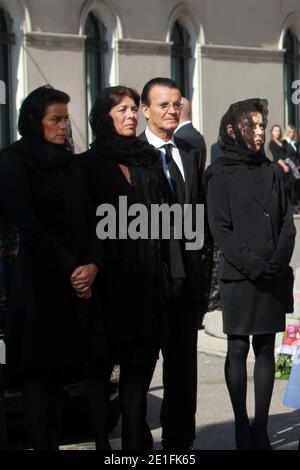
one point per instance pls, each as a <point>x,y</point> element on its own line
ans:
<point>181,54</point>
<point>95,48</point>
<point>7,39</point>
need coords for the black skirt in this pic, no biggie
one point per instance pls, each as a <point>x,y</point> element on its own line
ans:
<point>253,308</point>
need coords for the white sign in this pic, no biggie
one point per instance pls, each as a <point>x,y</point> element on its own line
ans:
<point>2,352</point>
<point>2,92</point>
<point>296,94</point>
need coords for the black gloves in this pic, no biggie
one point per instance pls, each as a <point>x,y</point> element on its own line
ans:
<point>177,288</point>
<point>273,270</point>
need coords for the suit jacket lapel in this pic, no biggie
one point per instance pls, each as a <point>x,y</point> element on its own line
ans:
<point>188,166</point>
<point>187,159</point>
<point>143,137</point>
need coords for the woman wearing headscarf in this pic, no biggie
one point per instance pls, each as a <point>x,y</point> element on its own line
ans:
<point>120,165</point>
<point>251,220</point>
<point>50,325</point>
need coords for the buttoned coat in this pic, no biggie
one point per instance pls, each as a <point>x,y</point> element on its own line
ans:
<point>251,229</point>
<point>47,325</point>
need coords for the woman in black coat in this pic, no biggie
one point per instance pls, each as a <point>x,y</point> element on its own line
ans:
<point>120,167</point>
<point>251,220</point>
<point>51,324</point>
<point>278,147</point>
<point>286,156</point>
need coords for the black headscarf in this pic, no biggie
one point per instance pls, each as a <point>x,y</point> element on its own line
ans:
<point>149,187</point>
<point>129,151</point>
<point>143,162</point>
<point>43,157</point>
<point>235,151</point>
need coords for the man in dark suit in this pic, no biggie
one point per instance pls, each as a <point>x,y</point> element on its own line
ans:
<point>182,165</point>
<point>215,152</point>
<point>186,131</point>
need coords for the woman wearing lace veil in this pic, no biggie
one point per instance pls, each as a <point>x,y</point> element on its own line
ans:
<point>251,220</point>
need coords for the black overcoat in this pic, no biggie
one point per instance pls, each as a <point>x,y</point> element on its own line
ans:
<point>47,325</point>
<point>197,262</point>
<point>132,320</point>
<point>252,223</point>
<point>191,135</point>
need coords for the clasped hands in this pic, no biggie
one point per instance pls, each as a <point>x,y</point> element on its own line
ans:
<point>82,280</point>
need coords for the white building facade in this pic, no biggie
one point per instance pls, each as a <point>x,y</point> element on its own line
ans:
<point>219,51</point>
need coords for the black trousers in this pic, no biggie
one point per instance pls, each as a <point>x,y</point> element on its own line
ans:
<point>43,399</point>
<point>179,373</point>
<point>133,388</point>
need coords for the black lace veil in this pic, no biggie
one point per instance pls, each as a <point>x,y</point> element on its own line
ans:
<point>239,116</point>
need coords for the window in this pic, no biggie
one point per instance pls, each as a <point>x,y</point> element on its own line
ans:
<point>291,73</point>
<point>95,49</point>
<point>6,39</point>
<point>181,54</point>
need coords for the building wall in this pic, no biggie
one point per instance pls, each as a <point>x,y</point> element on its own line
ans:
<point>236,44</point>
<point>240,76</point>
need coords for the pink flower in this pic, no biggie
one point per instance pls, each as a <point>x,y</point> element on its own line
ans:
<point>292,330</point>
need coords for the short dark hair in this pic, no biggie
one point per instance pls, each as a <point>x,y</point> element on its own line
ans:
<point>33,109</point>
<point>161,81</point>
<point>106,100</point>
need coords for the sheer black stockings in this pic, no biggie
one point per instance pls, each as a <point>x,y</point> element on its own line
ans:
<point>254,436</point>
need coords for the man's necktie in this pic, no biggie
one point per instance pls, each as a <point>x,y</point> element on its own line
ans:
<point>169,156</point>
<point>177,182</point>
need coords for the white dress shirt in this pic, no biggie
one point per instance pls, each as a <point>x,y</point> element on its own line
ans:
<point>158,143</point>
<point>292,143</point>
